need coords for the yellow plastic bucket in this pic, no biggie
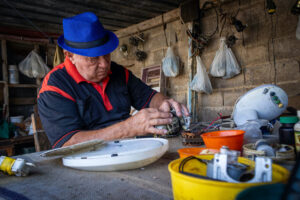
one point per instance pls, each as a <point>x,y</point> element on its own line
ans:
<point>187,187</point>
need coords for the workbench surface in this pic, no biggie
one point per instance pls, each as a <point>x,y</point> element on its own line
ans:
<point>51,180</point>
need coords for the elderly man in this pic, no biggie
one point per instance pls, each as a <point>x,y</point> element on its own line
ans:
<point>89,97</point>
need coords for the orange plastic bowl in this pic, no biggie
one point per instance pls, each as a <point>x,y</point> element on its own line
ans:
<point>231,138</point>
<point>186,152</point>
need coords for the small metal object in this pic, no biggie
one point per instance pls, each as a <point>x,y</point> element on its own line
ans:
<point>221,168</point>
<point>17,167</point>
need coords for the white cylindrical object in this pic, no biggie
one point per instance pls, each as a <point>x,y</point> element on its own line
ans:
<point>13,74</point>
<point>298,29</point>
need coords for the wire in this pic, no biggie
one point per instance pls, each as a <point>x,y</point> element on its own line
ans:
<point>29,21</point>
<point>220,116</point>
<point>164,27</point>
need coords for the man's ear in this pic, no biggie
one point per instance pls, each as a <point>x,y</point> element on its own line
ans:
<point>69,55</point>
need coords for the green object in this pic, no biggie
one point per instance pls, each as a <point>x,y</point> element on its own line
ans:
<point>277,101</point>
<point>6,130</point>
<point>264,192</point>
<point>289,120</point>
<point>275,98</point>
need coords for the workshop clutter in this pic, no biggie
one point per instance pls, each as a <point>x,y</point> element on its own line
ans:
<point>193,183</point>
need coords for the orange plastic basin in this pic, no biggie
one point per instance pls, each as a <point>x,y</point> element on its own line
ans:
<point>231,138</point>
<point>186,152</point>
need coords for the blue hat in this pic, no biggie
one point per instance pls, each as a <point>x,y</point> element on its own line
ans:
<point>85,35</point>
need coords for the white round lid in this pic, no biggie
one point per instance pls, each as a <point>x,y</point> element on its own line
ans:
<point>119,155</point>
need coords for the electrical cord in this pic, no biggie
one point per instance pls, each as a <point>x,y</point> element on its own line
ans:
<point>187,159</point>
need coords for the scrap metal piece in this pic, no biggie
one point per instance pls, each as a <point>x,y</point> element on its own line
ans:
<point>263,168</point>
<point>76,148</point>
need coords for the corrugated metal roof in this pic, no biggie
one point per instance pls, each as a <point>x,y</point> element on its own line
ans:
<point>47,15</point>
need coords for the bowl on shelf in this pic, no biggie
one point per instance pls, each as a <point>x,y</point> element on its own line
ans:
<point>231,138</point>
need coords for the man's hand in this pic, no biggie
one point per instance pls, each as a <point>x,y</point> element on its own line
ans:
<point>180,109</point>
<point>145,120</point>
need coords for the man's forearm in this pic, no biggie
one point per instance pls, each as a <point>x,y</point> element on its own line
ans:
<point>116,131</point>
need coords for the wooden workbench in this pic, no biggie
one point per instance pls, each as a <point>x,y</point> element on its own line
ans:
<point>51,180</point>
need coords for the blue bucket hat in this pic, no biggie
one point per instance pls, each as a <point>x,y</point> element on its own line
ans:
<point>85,35</point>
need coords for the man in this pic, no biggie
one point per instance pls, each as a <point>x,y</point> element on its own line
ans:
<point>89,97</point>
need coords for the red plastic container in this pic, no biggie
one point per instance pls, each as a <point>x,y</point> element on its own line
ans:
<point>231,138</point>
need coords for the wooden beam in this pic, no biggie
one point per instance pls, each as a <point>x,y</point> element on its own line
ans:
<point>148,24</point>
<point>22,101</point>
<point>26,40</point>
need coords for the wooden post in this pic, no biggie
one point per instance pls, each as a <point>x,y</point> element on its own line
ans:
<point>4,60</point>
<point>38,80</point>
<point>5,79</point>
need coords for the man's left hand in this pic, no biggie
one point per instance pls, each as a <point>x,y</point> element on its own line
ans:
<point>180,109</point>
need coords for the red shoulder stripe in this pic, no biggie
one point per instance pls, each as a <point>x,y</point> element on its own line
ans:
<point>126,75</point>
<point>46,87</point>
<point>57,90</point>
<point>63,137</point>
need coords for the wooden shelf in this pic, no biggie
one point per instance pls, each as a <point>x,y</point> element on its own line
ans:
<point>22,101</point>
<point>23,85</point>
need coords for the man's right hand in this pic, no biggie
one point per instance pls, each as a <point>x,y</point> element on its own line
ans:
<point>144,121</point>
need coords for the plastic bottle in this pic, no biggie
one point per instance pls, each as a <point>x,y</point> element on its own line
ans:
<point>297,133</point>
<point>286,131</point>
<point>13,74</point>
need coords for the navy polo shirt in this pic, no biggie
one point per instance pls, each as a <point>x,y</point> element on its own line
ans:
<point>67,103</point>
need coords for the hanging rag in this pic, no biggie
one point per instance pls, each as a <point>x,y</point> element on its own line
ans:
<point>58,56</point>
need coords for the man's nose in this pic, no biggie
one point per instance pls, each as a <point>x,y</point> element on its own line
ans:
<point>102,61</point>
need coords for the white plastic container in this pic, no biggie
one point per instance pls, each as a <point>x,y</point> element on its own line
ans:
<point>17,119</point>
<point>13,74</point>
<point>297,133</point>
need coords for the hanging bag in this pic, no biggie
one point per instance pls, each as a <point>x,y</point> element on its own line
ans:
<point>232,66</point>
<point>33,66</point>
<point>218,66</point>
<point>201,82</point>
<point>170,64</point>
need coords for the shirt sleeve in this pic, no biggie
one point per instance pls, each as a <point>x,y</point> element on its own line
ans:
<point>140,93</point>
<point>59,116</point>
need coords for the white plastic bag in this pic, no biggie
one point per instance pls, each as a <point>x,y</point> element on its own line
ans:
<point>224,64</point>
<point>170,64</point>
<point>218,66</point>
<point>201,82</point>
<point>252,131</point>
<point>33,66</point>
<point>298,29</point>
<point>232,66</point>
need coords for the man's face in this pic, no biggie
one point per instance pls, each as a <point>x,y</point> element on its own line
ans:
<point>93,69</point>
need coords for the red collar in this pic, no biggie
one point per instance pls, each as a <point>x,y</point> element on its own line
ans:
<point>73,72</point>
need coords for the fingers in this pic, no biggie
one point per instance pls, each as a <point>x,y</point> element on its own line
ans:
<point>185,110</point>
<point>155,122</point>
<point>157,131</point>
<point>180,109</point>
